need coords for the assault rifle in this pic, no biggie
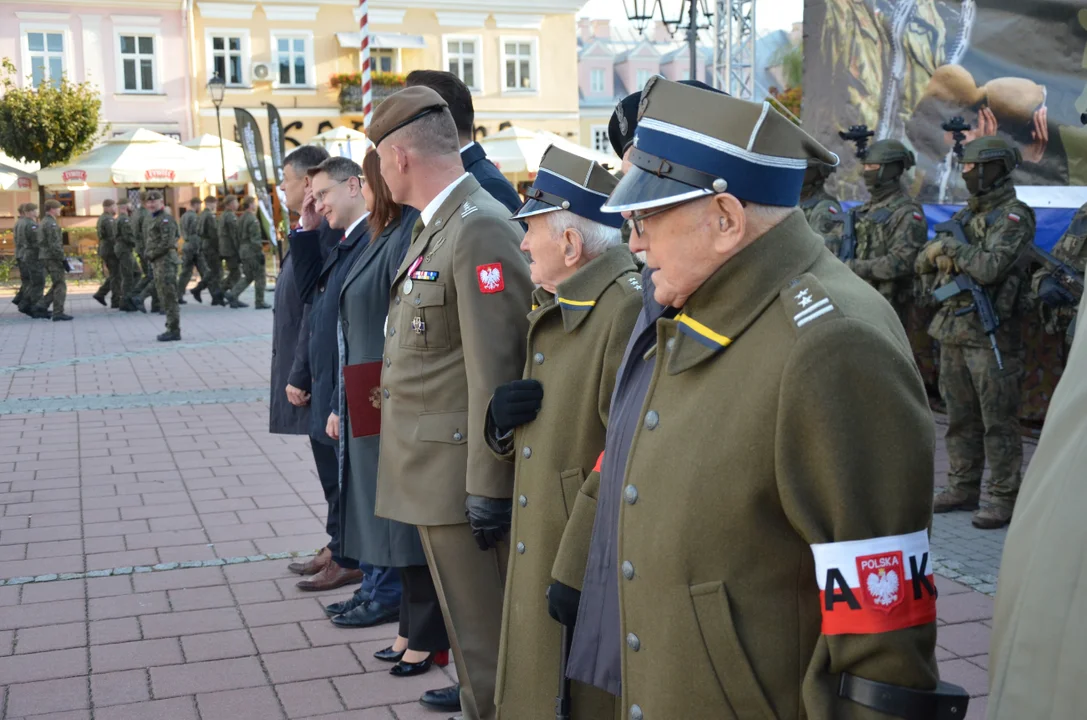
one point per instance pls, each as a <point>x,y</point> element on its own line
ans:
<point>957,127</point>
<point>1066,276</point>
<point>848,249</point>
<point>858,135</point>
<point>961,283</point>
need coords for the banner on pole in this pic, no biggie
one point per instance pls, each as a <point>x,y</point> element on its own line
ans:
<point>276,144</point>
<point>253,148</point>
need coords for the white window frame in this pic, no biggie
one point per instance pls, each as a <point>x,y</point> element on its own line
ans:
<point>311,66</point>
<point>119,65</point>
<point>24,46</point>
<point>637,74</point>
<point>247,55</point>
<point>593,130</point>
<point>395,55</point>
<point>603,81</point>
<point>533,66</point>
<point>476,89</point>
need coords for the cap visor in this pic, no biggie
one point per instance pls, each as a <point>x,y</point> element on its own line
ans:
<point>533,207</point>
<point>641,190</point>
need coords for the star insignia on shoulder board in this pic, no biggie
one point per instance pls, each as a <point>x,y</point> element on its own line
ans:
<point>803,298</point>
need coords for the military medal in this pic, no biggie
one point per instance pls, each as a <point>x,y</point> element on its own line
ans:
<point>425,275</point>
<point>408,284</point>
<point>418,325</point>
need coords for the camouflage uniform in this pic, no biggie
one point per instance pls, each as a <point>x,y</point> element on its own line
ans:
<point>982,399</point>
<point>251,253</point>
<point>124,244</point>
<point>1070,249</point>
<point>228,247</point>
<point>24,277</point>
<point>161,251</point>
<point>207,229</point>
<point>821,209</point>
<point>107,230</point>
<point>191,254</point>
<point>51,253</point>
<point>32,238</point>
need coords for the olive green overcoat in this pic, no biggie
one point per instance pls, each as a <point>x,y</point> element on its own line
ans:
<point>576,340</point>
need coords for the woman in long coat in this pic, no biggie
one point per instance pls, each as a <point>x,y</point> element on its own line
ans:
<point>364,305</point>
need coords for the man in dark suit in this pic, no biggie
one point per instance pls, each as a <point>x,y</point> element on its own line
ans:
<point>459,99</point>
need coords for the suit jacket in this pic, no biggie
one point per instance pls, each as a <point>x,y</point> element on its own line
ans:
<point>490,177</point>
<point>451,338</point>
<point>324,354</point>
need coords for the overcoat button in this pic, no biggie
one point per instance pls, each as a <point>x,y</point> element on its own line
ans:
<point>523,500</point>
<point>628,570</point>
<point>652,419</point>
<point>396,300</point>
<point>417,301</point>
<point>635,713</point>
<point>520,548</point>
<point>386,393</point>
<point>630,494</point>
<point>539,358</point>
<point>633,642</point>
<point>670,344</point>
<point>392,331</point>
<point>457,436</point>
<point>388,362</point>
<point>527,452</point>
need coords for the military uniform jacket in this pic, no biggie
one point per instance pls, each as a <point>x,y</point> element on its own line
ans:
<point>890,229</point>
<point>576,341</point>
<point>32,240</point>
<point>52,243</point>
<point>17,233</point>
<point>1072,250</point>
<point>162,235</point>
<point>999,227</point>
<point>125,239</point>
<point>456,331</point>
<point>228,234</point>
<point>822,211</point>
<point>106,232</point>
<point>189,224</point>
<point>139,224</point>
<point>783,468</point>
<point>208,228</point>
<point>249,237</point>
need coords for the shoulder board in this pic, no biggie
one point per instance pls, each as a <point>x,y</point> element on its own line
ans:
<point>806,302</point>
<point>630,281</point>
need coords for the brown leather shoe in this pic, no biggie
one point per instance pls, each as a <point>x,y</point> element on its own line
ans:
<point>331,577</point>
<point>314,565</point>
<point>992,517</point>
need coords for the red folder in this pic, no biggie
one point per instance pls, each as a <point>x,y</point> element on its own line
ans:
<point>362,385</point>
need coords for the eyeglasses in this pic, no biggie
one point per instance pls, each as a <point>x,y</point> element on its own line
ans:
<point>638,219</point>
<point>320,195</point>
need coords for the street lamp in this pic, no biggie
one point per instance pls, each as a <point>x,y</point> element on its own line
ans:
<point>640,12</point>
<point>216,89</point>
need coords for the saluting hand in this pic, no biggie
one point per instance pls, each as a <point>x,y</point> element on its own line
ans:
<point>308,217</point>
<point>515,404</point>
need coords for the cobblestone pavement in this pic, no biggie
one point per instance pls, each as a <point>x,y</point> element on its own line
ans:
<point>146,514</point>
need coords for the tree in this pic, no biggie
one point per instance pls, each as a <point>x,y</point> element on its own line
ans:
<point>791,61</point>
<point>48,124</point>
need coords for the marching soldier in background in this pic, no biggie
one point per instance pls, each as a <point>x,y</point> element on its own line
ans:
<point>51,253</point>
<point>821,209</point>
<point>32,240</point>
<point>585,305</point>
<point>191,255</point>
<point>145,287</point>
<point>124,245</point>
<point>208,230</point>
<point>162,237</point>
<point>890,228</point>
<point>228,241</point>
<point>981,368</point>
<point>251,255</point>
<point>106,233</point>
<point>1057,306</point>
<point>17,235</point>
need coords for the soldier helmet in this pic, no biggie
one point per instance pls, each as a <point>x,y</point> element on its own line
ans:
<point>992,149</point>
<point>885,152</point>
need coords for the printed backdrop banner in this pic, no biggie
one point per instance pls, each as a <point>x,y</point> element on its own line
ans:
<point>253,147</point>
<point>1013,68</point>
<point>276,144</point>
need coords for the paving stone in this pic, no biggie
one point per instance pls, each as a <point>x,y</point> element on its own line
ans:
<point>368,714</point>
<point>279,612</point>
<point>44,666</point>
<point>53,591</point>
<point>277,638</point>
<point>23,616</point>
<point>304,699</point>
<point>190,623</point>
<point>217,646</point>
<point>7,642</point>
<point>128,605</point>
<point>140,654</point>
<point>965,607</point>
<point>964,673</point>
<point>51,637</point>
<point>251,704</point>
<point>296,665</point>
<point>180,579</point>
<point>256,592</point>
<point>35,698</point>
<point>964,639</point>
<point>374,689</point>
<point>207,677</point>
<point>108,586</point>
<point>104,632</point>
<point>119,688</point>
<point>175,709</point>
<point>200,598</point>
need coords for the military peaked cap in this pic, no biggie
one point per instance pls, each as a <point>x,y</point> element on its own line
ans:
<point>691,143</point>
<point>402,108</point>
<point>625,118</point>
<point>570,182</point>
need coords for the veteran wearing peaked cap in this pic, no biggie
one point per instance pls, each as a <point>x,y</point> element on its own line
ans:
<point>760,548</point>
<point>587,298</point>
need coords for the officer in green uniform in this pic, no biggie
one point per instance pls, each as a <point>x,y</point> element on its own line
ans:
<point>228,241</point>
<point>124,247</point>
<point>207,228</point>
<point>32,238</point>
<point>251,255</point>
<point>821,209</point>
<point>982,397</point>
<point>890,228</point>
<point>106,233</point>
<point>51,254</point>
<point>767,529</point>
<point>192,257</point>
<point>17,236</point>
<point>587,298</point>
<point>1057,305</point>
<point>162,237</point>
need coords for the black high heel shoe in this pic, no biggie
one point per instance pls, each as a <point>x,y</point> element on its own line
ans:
<point>389,655</point>
<point>405,669</point>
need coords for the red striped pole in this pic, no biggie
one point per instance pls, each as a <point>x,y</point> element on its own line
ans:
<point>364,58</point>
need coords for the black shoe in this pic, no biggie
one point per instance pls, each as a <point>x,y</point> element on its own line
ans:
<point>40,314</point>
<point>182,301</point>
<point>262,306</point>
<point>60,317</point>
<point>196,295</point>
<point>217,299</point>
<point>447,698</point>
<point>169,336</point>
<point>389,655</point>
<point>406,669</point>
<point>347,605</point>
<point>138,304</point>
<point>101,300</point>
<point>367,614</point>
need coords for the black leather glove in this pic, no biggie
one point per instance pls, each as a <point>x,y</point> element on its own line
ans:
<point>515,404</point>
<point>489,519</point>
<point>562,602</point>
<point>1053,294</point>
